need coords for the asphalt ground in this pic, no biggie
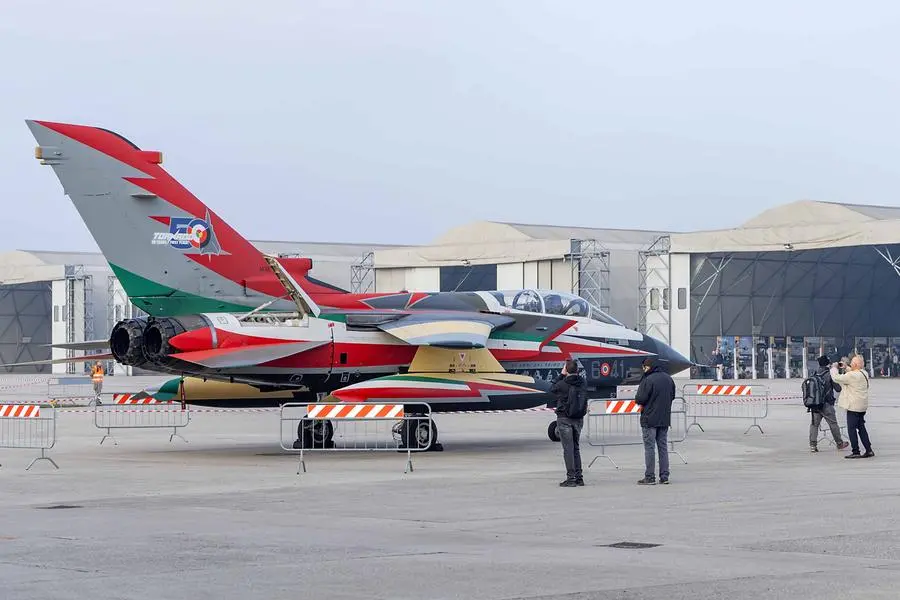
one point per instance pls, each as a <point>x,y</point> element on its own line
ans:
<point>225,515</point>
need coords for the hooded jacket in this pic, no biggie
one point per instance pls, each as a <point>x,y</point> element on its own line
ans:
<point>655,394</point>
<point>560,389</point>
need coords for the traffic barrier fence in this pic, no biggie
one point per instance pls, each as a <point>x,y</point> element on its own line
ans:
<point>71,388</point>
<point>617,422</point>
<point>129,412</point>
<point>713,401</point>
<point>825,430</point>
<point>356,426</point>
<point>28,426</point>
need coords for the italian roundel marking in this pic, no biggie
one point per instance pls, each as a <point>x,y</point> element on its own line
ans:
<point>604,369</point>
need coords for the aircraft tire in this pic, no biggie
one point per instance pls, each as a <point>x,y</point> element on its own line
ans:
<point>552,433</point>
<point>414,435</point>
<point>316,434</point>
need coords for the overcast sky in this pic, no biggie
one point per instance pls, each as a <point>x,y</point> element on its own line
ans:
<point>390,122</point>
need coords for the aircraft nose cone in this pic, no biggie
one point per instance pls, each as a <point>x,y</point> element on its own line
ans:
<point>669,358</point>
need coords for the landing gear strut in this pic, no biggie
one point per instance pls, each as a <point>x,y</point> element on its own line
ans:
<point>413,434</point>
<point>552,432</point>
<point>315,434</point>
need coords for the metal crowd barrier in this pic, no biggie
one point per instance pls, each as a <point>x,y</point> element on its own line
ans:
<point>126,412</point>
<point>617,422</point>
<point>713,401</point>
<point>71,388</point>
<point>825,431</point>
<point>27,426</point>
<point>356,426</point>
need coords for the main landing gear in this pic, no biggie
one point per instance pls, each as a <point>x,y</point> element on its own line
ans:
<point>412,433</point>
<point>314,434</point>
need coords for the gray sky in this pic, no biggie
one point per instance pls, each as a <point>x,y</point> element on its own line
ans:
<point>392,121</point>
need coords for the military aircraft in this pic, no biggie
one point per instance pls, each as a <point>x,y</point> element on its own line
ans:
<point>222,310</point>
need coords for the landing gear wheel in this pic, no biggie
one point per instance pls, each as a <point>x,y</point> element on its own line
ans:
<point>315,434</point>
<point>414,435</point>
<point>552,432</point>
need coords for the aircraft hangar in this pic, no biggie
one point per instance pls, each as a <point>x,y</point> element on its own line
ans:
<point>797,281</point>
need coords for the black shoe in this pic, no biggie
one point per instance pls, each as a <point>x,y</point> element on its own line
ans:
<point>647,481</point>
<point>664,481</point>
<point>868,454</point>
<point>579,482</point>
<point>853,455</point>
<point>568,483</point>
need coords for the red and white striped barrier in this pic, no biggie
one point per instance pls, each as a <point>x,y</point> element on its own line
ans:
<point>359,411</point>
<point>28,426</point>
<point>622,407</point>
<point>724,390</point>
<point>716,401</point>
<point>20,411</point>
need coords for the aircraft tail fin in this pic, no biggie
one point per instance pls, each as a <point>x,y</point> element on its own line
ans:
<point>171,253</point>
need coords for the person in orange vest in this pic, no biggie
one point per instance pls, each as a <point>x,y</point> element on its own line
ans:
<point>97,378</point>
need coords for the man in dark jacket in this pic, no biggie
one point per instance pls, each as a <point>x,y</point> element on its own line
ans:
<point>568,387</point>
<point>655,395</point>
<point>827,409</point>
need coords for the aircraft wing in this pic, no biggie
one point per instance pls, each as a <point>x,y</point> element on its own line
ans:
<point>446,330</point>
<point>59,361</point>
<point>89,345</point>
<point>246,356</point>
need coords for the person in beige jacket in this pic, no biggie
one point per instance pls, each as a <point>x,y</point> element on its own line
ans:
<point>854,399</point>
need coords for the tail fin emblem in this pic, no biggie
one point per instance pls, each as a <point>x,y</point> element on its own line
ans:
<point>189,233</point>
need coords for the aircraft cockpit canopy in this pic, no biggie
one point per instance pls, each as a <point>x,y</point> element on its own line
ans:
<point>554,303</point>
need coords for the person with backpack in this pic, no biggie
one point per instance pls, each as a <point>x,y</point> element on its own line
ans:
<point>855,400</point>
<point>818,397</point>
<point>655,395</point>
<point>571,407</point>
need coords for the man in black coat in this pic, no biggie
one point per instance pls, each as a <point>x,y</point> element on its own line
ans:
<point>655,395</point>
<point>569,388</point>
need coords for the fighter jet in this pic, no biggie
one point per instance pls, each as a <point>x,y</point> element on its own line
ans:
<point>222,310</point>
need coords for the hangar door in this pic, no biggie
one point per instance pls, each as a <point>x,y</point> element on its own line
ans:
<point>25,320</point>
<point>471,278</point>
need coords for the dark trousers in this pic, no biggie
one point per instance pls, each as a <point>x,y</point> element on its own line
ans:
<point>856,423</point>
<point>656,441</point>
<point>570,434</point>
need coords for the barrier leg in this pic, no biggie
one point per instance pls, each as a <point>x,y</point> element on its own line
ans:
<point>672,450</point>
<point>110,435</point>
<point>302,464</point>
<point>176,434</point>
<point>409,466</point>
<point>755,424</point>
<point>603,455</point>
<point>43,456</point>
<point>697,424</point>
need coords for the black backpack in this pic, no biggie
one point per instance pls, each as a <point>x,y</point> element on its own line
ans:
<point>576,407</point>
<point>813,388</point>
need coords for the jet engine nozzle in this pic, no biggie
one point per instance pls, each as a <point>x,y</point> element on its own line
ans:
<point>126,342</point>
<point>160,331</point>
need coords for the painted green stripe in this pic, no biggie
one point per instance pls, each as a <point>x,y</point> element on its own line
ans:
<point>423,379</point>
<point>157,299</point>
<point>517,336</point>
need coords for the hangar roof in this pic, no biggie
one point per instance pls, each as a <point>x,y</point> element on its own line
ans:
<point>498,231</point>
<point>800,225</point>
<point>24,266</point>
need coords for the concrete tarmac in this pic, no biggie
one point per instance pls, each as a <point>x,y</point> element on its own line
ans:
<point>225,515</point>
